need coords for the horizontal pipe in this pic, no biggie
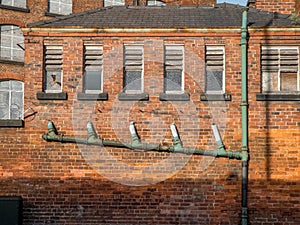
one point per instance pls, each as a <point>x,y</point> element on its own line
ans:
<point>52,137</point>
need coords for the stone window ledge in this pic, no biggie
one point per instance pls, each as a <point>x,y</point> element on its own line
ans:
<point>215,97</point>
<point>133,97</point>
<point>11,123</point>
<point>20,9</point>
<point>53,14</point>
<point>277,97</point>
<point>92,97</point>
<point>174,97</point>
<point>11,62</point>
<point>52,96</point>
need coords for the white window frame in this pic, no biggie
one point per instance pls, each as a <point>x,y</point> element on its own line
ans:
<point>46,70</point>
<point>140,48</point>
<point>107,3</point>
<point>13,48</point>
<point>10,91</point>
<point>60,3</point>
<point>176,47</point>
<point>155,3</point>
<point>280,70</point>
<point>99,48</point>
<point>14,3</point>
<point>216,48</point>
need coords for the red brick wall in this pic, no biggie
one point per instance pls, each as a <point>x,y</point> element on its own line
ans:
<point>64,183</point>
<point>285,6</point>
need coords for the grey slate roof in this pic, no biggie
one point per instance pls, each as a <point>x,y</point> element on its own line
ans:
<point>222,15</point>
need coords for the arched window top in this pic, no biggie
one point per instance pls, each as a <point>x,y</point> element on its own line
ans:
<point>155,2</point>
<point>11,100</point>
<point>12,43</point>
<point>113,2</point>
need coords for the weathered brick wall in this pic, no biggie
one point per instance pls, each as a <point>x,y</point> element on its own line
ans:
<point>63,183</point>
<point>285,6</point>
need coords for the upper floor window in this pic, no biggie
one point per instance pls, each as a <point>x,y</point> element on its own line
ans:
<point>214,69</point>
<point>12,43</point>
<point>173,75</point>
<point>280,69</point>
<point>113,2</point>
<point>14,3</point>
<point>155,2</point>
<point>53,68</point>
<point>63,7</point>
<point>133,68</point>
<point>93,62</point>
<point>11,100</point>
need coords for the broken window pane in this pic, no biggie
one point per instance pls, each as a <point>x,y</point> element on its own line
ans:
<point>133,81</point>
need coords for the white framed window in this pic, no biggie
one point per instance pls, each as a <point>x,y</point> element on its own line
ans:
<point>15,3</point>
<point>11,100</point>
<point>280,69</point>
<point>93,68</point>
<point>174,65</point>
<point>113,2</point>
<point>53,68</point>
<point>155,3</point>
<point>133,80</point>
<point>215,69</point>
<point>12,43</point>
<point>63,7</point>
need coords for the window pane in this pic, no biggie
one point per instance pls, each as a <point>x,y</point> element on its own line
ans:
<point>155,2</point>
<point>11,36</point>
<point>53,81</point>
<point>20,3</point>
<point>133,81</point>
<point>93,80</point>
<point>113,2</point>
<point>173,80</point>
<point>214,80</point>
<point>63,7</point>
<point>16,108</point>
<point>4,105</point>
<point>288,82</point>
<point>4,85</point>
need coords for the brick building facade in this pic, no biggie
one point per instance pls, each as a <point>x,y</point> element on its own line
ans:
<point>154,66</point>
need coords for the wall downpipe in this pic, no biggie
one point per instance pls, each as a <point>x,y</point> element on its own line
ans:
<point>244,108</point>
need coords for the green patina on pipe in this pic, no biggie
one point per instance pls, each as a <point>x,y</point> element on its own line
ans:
<point>244,107</point>
<point>136,144</point>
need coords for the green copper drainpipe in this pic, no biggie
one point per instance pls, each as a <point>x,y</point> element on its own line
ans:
<point>136,144</point>
<point>244,107</point>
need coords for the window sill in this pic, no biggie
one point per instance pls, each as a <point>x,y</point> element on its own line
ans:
<point>174,97</point>
<point>54,14</point>
<point>92,97</point>
<point>277,97</point>
<point>20,9</point>
<point>52,96</point>
<point>133,97</point>
<point>11,62</point>
<point>11,123</point>
<point>215,97</point>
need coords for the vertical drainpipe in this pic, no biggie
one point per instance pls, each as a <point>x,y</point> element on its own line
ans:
<point>244,108</point>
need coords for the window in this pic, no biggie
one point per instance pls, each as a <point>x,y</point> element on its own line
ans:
<point>93,58</point>
<point>215,72</point>
<point>133,69</point>
<point>113,2</point>
<point>279,65</point>
<point>173,76</point>
<point>155,2</point>
<point>53,68</point>
<point>11,100</point>
<point>15,3</point>
<point>12,43</point>
<point>63,7</point>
